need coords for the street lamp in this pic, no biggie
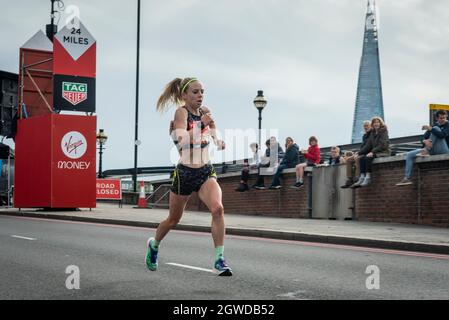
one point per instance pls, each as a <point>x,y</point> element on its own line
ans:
<point>101,140</point>
<point>260,102</point>
<point>136,124</point>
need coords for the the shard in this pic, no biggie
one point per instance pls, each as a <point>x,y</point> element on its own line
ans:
<point>369,101</point>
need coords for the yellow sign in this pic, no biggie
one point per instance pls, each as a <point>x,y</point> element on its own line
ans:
<point>439,107</point>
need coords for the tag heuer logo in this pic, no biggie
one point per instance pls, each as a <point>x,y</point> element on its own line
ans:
<point>74,92</point>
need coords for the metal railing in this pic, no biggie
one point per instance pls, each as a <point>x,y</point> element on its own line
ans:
<point>156,203</point>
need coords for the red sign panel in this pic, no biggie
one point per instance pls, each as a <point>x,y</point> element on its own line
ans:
<point>74,161</point>
<point>36,81</point>
<point>55,162</point>
<point>75,51</point>
<point>84,66</point>
<point>109,189</point>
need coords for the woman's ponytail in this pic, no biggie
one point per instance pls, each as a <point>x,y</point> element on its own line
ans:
<point>173,93</point>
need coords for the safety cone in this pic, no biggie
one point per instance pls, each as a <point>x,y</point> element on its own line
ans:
<point>142,203</point>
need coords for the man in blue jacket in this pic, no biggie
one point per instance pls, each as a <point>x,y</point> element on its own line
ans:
<point>436,141</point>
<point>290,160</point>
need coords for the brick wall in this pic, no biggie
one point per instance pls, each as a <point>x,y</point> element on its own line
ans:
<point>426,202</point>
<point>285,202</point>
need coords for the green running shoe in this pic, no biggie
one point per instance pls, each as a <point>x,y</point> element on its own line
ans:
<point>222,268</point>
<point>151,256</point>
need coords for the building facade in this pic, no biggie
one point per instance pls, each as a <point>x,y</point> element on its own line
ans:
<point>8,102</point>
<point>369,101</point>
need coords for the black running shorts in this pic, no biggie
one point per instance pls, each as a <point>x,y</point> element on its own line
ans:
<point>187,180</point>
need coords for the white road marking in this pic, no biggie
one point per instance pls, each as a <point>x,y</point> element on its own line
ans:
<point>296,295</point>
<point>190,267</point>
<point>25,238</point>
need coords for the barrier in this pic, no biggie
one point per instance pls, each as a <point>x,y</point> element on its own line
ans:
<point>142,203</point>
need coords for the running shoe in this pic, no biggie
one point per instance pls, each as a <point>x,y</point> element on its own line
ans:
<point>222,268</point>
<point>151,256</point>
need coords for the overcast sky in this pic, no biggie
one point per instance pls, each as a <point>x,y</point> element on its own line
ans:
<point>304,54</point>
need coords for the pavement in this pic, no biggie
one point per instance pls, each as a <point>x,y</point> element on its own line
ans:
<point>391,236</point>
<point>61,260</point>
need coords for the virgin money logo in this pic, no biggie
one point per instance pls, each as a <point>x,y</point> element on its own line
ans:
<point>74,145</point>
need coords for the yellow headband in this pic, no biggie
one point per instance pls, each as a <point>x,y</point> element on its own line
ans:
<point>188,82</point>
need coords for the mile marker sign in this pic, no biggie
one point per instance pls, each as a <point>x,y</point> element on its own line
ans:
<point>74,68</point>
<point>76,39</point>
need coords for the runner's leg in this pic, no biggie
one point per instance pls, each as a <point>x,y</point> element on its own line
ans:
<point>177,205</point>
<point>210,194</point>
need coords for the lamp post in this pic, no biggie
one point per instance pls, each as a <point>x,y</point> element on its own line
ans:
<point>260,102</point>
<point>52,29</point>
<point>136,124</point>
<point>101,140</point>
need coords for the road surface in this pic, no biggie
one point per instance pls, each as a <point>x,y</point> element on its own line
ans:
<point>38,256</point>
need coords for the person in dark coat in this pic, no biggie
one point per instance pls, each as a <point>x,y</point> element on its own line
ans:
<point>290,160</point>
<point>353,160</point>
<point>378,145</point>
<point>335,159</point>
<point>435,140</point>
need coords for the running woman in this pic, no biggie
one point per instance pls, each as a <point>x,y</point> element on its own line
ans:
<point>191,131</point>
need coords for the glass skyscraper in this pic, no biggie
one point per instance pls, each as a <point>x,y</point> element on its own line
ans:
<point>369,101</point>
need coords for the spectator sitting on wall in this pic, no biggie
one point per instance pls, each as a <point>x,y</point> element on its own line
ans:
<point>378,145</point>
<point>273,153</point>
<point>353,160</point>
<point>436,141</point>
<point>335,158</point>
<point>254,164</point>
<point>276,146</point>
<point>313,158</point>
<point>290,160</point>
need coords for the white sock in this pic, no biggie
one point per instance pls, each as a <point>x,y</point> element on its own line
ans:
<point>368,175</point>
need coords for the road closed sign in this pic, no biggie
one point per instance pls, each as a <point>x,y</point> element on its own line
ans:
<point>110,189</point>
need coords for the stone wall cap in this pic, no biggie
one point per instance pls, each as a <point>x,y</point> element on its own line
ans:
<point>402,157</point>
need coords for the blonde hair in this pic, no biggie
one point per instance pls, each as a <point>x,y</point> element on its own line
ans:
<point>382,123</point>
<point>172,94</point>
<point>336,149</point>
